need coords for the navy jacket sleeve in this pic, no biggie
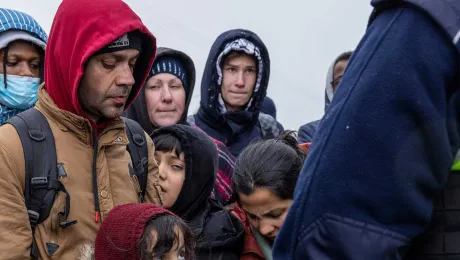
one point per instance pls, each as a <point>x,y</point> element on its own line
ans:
<point>307,131</point>
<point>387,143</point>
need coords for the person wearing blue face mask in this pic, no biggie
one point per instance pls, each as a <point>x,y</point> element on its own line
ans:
<point>22,49</point>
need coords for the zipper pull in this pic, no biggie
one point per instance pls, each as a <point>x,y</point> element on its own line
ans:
<point>96,217</point>
<point>65,224</point>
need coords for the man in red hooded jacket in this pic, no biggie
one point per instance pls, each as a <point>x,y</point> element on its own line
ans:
<point>98,56</point>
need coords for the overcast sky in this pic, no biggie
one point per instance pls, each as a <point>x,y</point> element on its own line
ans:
<point>302,36</point>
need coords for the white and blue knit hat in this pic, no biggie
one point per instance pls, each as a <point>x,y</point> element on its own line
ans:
<point>17,25</point>
<point>172,66</point>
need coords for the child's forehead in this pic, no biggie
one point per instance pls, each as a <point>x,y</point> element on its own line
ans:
<point>178,237</point>
<point>172,154</point>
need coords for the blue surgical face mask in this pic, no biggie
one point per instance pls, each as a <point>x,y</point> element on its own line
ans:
<point>20,92</point>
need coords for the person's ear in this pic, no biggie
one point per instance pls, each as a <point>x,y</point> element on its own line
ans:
<point>305,147</point>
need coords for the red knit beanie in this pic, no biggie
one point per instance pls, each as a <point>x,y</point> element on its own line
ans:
<point>119,235</point>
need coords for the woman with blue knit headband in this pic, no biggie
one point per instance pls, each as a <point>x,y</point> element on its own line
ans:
<point>22,49</point>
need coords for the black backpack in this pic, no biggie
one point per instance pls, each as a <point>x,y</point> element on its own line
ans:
<point>42,173</point>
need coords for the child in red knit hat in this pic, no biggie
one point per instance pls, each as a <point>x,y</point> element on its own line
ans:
<point>140,232</point>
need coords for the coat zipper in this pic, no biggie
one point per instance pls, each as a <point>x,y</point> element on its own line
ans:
<point>95,187</point>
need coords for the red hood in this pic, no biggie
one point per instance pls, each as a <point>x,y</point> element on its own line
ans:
<point>122,229</point>
<point>80,28</point>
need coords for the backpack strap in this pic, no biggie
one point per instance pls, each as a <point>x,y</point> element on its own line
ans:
<point>137,148</point>
<point>41,172</point>
<point>268,126</point>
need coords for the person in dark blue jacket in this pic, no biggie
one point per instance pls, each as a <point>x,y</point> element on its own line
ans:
<point>387,144</point>
<point>233,88</point>
<point>334,75</point>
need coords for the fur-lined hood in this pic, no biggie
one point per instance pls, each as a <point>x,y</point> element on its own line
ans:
<point>87,252</point>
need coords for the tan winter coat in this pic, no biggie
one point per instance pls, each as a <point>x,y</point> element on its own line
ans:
<point>74,147</point>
